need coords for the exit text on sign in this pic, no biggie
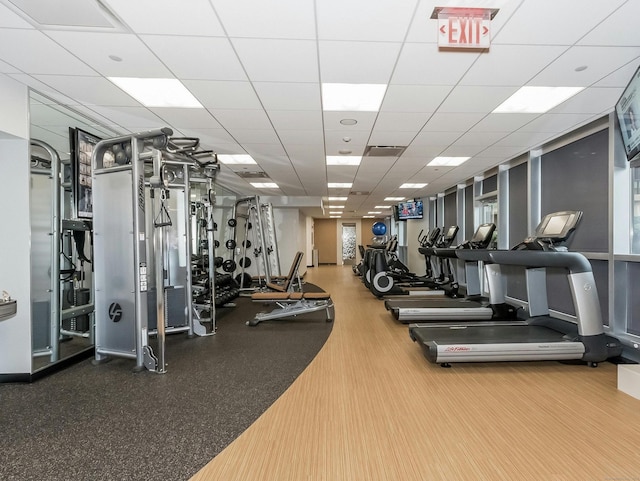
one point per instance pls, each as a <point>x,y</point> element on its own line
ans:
<point>464,32</point>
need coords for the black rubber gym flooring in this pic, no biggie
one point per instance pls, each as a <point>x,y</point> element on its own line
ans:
<point>106,423</point>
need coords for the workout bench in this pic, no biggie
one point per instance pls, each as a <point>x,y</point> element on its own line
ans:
<point>291,304</point>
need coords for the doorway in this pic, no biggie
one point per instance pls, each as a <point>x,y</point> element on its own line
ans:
<point>348,244</point>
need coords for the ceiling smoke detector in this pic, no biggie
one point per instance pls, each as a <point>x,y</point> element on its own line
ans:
<point>383,151</point>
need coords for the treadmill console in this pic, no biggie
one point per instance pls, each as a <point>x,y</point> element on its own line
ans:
<point>553,232</point>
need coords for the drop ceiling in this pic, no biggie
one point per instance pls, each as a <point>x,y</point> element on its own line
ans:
<point>257,67</point>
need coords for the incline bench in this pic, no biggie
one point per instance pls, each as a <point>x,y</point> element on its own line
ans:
<point>291,304</point>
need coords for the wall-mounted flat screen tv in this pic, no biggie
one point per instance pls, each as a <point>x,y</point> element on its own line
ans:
<point>410,210</point>
<point>82,145</point>
<point>628,113</point>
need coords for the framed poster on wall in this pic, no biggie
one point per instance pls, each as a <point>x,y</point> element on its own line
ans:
<point>82,145</point>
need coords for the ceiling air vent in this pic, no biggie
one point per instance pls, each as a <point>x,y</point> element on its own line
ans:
<point>252,175</point>
<point>383,151</point>
<point>358,192</point>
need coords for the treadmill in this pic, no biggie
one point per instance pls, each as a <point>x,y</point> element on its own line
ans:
<point>473,307</point>
<point>541,337</point>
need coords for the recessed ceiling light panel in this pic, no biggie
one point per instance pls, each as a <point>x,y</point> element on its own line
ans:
<point>264,185</point>
<point>352,97</point>
<point>412,186</point>
<point>339,185</point>
<point>536,100</point>
<point>448,161</point>
<point>236,159</point>
<point>158,92</point>
<point>344,159</point>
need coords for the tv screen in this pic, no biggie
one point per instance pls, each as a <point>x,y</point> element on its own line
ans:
<point>82,144</point>
<point>628,113</point>
<point>410,210</point>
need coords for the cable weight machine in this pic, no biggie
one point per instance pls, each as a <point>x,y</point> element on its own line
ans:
<point>143,244</point>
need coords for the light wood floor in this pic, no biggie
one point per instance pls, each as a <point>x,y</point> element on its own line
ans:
<point>370,407</point>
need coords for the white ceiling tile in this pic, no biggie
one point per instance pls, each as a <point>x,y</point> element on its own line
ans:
<point>524,62</point>
<point>425,138</point>
<point>220,94</point>
<point>246,136</point>
<point>424,64</point>
<point>288,95</point>
<point>357,62</point>
<point>168,17</point>
<point>10,19</point>
<point>278,60</point>
<point>307,154</point>
<point>385,137</point>
<point>296,120</point>
<point>499,152</point>
<point>365,120</point>
<point>591,101</point>
<point>210,135</point>
<point>427,150</point>
<point>479,138</point>
<point>599,60</point>
<point>242,119</point>
<point>503,122</point>
<point>197,58</point>
<point>619,78</point>
<point>356,137</point>
<point>267,19</point>
<point>551,122</point>
<point>525,140</point>
<point>458,122</point>
<point>129,117</point>
<point>305,137</point>
<point>271,152</point>
<point>620,28</point>
<point>18,46</point>
<point>414,98</point>
<point>364,20</point>
<point>334,147</point>
<point>95,48</point>
<point>186,118</point>
<point>401,121</point>
<point>89,90</point>
<point>6,68</point>
<point>476,99</point>
<point>556,23</point>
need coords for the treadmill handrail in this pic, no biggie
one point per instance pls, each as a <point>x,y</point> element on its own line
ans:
<point>573,261</point>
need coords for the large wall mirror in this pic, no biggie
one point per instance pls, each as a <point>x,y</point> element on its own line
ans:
<point>61,250</point>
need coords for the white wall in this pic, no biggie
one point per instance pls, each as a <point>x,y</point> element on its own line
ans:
<point>15,333</point>
<point>416,261</point>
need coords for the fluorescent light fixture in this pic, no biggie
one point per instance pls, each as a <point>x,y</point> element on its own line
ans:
<point>536,100</point>
<point>353,97</point>
<point>264,185</point>
<point>337,198</point>
<point>374,212</point>
<point>382,207</point>
<point>157,92</point>
<point>339,185</point>
<point>335,216</point>
<point>336,207</point>
<point>344,159</point>
<point>368,216</point>
<point>236,159</point>
<point>412,186</point>
<point>394,199</point>
<point>335,212</point>
<point>447,161</point>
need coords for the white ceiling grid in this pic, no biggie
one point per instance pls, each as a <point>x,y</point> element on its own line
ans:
<point>257,66</point>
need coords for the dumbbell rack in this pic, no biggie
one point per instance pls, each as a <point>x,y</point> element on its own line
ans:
<point>258,219</point>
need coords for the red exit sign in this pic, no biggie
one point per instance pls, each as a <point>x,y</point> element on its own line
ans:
<point>464,27</point>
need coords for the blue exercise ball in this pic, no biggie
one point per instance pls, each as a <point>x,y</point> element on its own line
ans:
<point>379,228</point>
